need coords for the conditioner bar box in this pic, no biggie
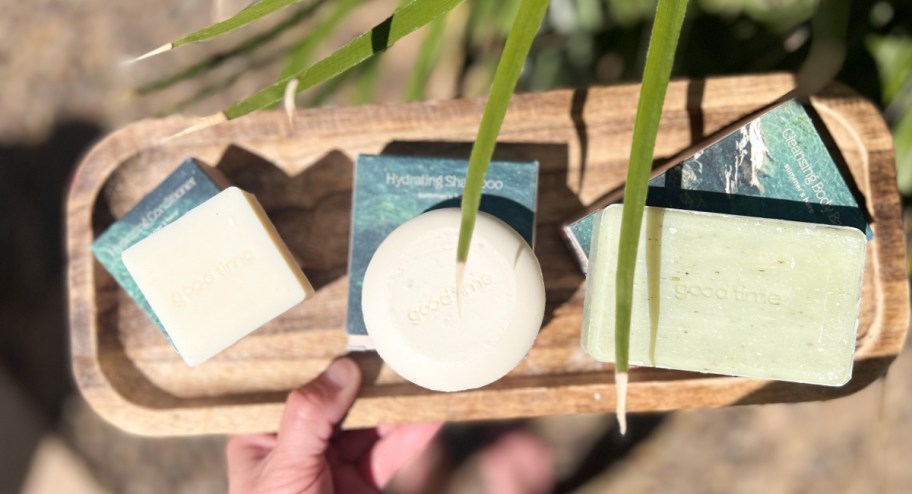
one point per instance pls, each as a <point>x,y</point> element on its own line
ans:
<point>190,185</point>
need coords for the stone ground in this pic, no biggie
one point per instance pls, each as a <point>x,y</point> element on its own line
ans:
<point>61,88</point>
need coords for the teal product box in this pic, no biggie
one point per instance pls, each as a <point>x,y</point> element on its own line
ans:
<point>188,186</point>
<point>390,190</point>
<point>776,166</point>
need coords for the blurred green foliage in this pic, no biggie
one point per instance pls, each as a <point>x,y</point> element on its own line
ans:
<point>893,54</point>
<point>588,42</point>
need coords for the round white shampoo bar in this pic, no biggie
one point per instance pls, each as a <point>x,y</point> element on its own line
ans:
<point>410,304</point>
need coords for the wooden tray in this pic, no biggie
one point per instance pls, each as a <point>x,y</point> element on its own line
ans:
<point>302,175</point>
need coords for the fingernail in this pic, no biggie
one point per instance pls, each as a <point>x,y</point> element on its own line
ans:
<point>340,373</point>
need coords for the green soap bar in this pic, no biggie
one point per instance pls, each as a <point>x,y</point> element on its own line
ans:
<point>735,295</point>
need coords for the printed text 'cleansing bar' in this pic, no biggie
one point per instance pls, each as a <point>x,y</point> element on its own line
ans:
<point>733,295</point>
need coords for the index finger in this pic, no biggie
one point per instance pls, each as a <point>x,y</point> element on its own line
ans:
<point>396,449</point>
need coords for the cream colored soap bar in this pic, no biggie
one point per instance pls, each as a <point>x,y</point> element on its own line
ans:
<point>216,274</point>
<point>441,336</point>
<point>731,295</point>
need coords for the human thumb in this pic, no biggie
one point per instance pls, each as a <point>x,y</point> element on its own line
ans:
<point>312,412</point>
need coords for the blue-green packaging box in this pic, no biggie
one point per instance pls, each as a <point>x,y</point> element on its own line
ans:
<point>776,166</point>
<point>390,190</point>
<point>190,185</point>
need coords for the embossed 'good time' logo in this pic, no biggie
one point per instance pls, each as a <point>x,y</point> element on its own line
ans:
<point>447,297</point>
<point>735,293</point>
<point>211,274</point>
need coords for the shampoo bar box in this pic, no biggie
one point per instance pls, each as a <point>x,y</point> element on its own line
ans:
<point>216,274</point>
<point>190,185</point>
<point>390,190</point>
<point>735,295</point>
<point>775,166</point>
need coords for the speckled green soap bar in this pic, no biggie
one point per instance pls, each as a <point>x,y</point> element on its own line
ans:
<point>736,295</point>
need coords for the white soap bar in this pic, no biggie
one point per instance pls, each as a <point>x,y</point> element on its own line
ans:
<point>216,274</point>
<point>410,303</point>
<point>734,295</point>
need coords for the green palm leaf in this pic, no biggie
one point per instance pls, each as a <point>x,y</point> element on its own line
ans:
<point>245,47</point>
<point>519,41</point>
<point>405,20</point>
<point>659,61</point>
<point>427,57</point>
<point>303,51</point>
<point>258,10</point>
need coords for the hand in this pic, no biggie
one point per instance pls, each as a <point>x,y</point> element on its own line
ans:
<point>309,456</point>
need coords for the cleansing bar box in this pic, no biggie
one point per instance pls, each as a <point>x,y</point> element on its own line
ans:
<point>735,295</point>
<point>776,166</point>
<point>216,274</point>
<point>190,185</point>
<point>390,190</point>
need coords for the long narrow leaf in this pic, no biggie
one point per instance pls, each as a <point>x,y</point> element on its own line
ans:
<point>304,50</point>
<point>245,47</point>
<point>366,85</point>
<point>223,83</point>
<point>659,61</point>
<point>829,29</point>
<point>519,41</point>
<point>482,12</point>
<point>481,35</point>
<point>427,57</point>
<point>258,10</point>
<point>506,10</point>
<point>333,86</point>
<point>404,21</point>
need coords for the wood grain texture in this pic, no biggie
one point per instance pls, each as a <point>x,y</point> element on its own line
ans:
<point>302,175</point>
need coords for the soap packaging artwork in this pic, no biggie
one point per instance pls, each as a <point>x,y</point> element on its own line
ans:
<point>734,295</point>
<point>191,184</point>
<point>216,274</point>
<point>390,190</point>
<point>775,166</point>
